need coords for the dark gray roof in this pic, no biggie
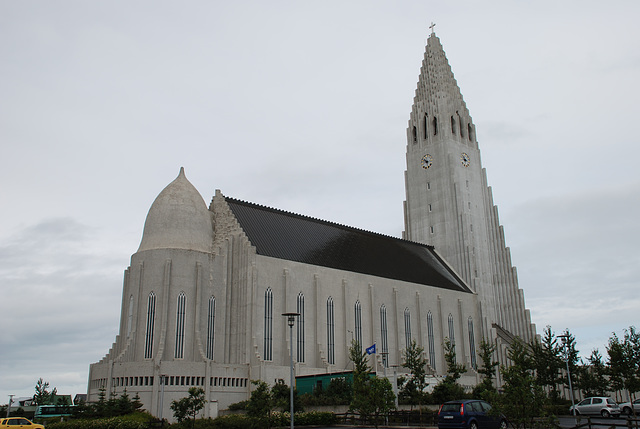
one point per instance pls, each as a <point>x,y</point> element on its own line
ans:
<point>294,237</point>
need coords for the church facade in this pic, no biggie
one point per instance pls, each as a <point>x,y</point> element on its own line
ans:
<point>204,294</point>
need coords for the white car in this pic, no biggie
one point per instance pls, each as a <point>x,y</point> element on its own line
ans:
<point>625,407</point>
<point>597,405</point>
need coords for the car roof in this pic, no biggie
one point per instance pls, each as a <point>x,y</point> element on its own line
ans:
<point>462,401</point>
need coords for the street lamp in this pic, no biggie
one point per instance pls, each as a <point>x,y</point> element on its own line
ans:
<point>565,343</point>
<point>291,317</point>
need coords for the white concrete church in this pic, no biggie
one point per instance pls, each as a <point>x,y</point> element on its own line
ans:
<point>203,297</point>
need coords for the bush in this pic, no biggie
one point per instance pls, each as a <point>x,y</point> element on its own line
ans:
<point>138,421</point>
<point>277,419</point>
<point>238,406</point>
<point>315,418</point>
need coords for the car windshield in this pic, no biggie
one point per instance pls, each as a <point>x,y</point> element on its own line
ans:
<point>451,407</point>
<point>611,401</point>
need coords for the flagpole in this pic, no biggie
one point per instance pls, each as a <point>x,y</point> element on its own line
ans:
<point>375,362</point>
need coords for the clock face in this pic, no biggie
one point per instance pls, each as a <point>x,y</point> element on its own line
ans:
<point>465,160</point>
<point>426,161</point>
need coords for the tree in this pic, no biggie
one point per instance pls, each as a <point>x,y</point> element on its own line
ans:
<point>371,395</point>
<point>380,397</point>
<point>361,376</point>
<point>624,361</point>
<point>485,389</point>
<point>413,390</point>
<point>261,402</point>
<point>523,399</point>
<point>449,389</point>
<point>547,362</point>
<point>593,378</point>
<point>569,353</point>
<point>454,369</point>
<point>189,406</point>
<point>281,397</point>
<point>42,395</point>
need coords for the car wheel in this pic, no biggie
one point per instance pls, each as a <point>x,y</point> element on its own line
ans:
<point>605,414</point>
<point>504,424</point>
<point>626,410</point>
<point>473,425</point>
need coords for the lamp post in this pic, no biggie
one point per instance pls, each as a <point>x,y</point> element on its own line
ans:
<point>565,343</point>
<point>9,406</point>
<point>291,317</point>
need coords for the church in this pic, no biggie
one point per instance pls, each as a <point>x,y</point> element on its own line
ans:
<point>204,295</point>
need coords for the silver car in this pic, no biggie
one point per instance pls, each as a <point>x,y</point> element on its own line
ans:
<point>626,407</point>
<point>597,405</point>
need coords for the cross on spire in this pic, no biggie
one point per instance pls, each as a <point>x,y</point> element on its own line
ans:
<point>431,27</point>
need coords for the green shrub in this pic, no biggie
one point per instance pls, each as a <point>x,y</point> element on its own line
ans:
<point>277,419</point>
<point>133,421</point>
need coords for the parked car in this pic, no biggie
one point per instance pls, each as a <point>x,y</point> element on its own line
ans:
<point>18,422</point>
<point>625,407</point>
<point>469,414</point>
<point>596,405</point>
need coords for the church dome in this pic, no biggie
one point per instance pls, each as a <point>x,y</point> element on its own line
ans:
<point>178,219</point>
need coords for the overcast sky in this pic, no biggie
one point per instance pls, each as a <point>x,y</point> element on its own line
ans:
<point>303,106</point>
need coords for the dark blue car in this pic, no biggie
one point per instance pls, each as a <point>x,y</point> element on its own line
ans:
<point>469,414</point>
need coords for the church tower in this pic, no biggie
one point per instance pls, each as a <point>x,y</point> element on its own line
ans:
<point>448,202</point>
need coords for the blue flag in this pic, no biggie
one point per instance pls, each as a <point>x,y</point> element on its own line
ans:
<point>372,349</point>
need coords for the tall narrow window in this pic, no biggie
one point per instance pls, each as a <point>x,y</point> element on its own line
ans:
<point>453,125</point>
<point>383,335</point>
<point>407,327</point>
<point>432,350</point>
<point>151,317</point>
<point>331,352</point>
<point>179,352</point>
<point>357,311</point>
<point>268,324</point>
<point>211,325</point>
<point>435,126</point>
<point>130,316</point>
<point>300,328</point>
<point>425,131</point>
<point>469,131</point>
<point>472,344</point>
<point>452,332</point>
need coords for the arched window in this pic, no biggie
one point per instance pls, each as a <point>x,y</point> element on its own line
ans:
<point>452,333</point>
<point>453,125</point>
<point>383,335</point>
<point>130,316</point>
<point>432,350</point>
<point>357,310</point>
<point>151,317</point>
<point>425,130</point>
<point>407,327</point>
<point>472,344</point>
<point>435,126</point>
<point>268,324</point>
<point>331,351</point>
<point>300,328</point>
<point>211,325</point>
<point>469,131</point>
<point>180,312</point>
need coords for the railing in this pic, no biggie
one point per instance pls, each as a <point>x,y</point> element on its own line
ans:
<point>630,423</point>
<point>399,417</point>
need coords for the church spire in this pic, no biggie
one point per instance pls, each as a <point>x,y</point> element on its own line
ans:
<point>438,106</point>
